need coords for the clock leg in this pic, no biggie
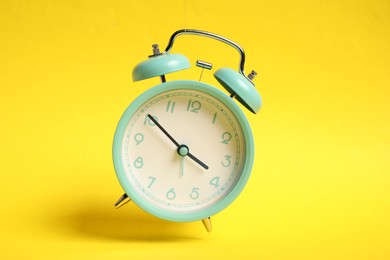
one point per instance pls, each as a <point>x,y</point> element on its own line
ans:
<point>124,199</point>
<point>207,224</point>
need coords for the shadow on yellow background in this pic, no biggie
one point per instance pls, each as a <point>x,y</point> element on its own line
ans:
<point>95,221</point>
<point>320,183</point>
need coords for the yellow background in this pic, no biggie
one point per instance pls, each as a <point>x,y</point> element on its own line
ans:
<point>320,188</point>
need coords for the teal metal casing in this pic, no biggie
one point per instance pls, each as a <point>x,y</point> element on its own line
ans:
<point>160,65</point>
<point>237,84</point>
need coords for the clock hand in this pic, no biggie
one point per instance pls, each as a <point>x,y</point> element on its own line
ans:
<point>198,161</point>
<point>177,144</point>
<point>163,130</point>
<point>182,165</point>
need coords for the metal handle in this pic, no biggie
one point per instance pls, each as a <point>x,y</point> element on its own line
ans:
<point>215,37</point>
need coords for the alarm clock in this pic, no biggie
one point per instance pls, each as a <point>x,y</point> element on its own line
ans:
<point>183,150</point>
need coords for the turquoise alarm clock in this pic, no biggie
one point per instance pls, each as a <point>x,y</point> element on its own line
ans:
<point>183,150</point>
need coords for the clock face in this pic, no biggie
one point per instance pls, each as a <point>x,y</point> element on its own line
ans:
<point>182,150</point>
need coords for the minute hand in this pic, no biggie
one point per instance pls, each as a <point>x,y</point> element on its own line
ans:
<point>176,143</point>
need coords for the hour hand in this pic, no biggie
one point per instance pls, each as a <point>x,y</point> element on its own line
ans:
<point>198,161</point>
